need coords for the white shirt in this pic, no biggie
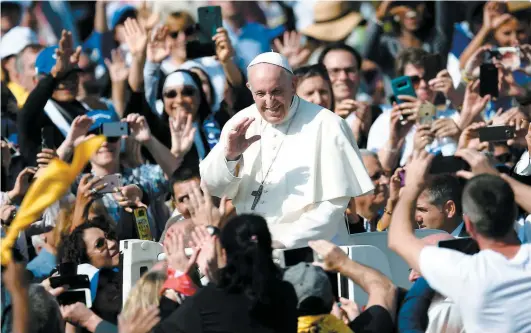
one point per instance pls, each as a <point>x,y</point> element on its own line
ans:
<point>315,168</point>
<point>444,316</point>
<point>493,293</point>
<point>380,130</point>
<point>523,167</point>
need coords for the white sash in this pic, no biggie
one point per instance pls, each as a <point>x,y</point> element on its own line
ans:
<point>53,110</point>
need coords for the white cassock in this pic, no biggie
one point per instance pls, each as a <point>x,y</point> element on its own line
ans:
<point>317,171</point>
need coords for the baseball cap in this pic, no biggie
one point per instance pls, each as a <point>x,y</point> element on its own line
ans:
<point>15,40</point>
<point>121,14</point>
<point>312,287</point>
<point>46,59</point>
<point>101,117</point>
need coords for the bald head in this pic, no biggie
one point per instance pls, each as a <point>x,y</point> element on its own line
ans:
<point>273,88</point>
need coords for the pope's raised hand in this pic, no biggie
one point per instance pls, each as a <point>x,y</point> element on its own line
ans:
<point>237,143</point>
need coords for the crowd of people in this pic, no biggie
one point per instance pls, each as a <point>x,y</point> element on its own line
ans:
<point>288,128</point>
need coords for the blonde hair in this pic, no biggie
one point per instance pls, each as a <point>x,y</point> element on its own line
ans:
<point>145,293</point>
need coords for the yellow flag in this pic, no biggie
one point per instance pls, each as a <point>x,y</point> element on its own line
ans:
<point>47,189</point>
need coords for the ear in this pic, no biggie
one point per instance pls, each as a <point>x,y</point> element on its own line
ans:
<point>449,209</point>
<point>248,85</point>
<point>294,80</point>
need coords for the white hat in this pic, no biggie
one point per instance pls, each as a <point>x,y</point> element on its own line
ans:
<point>272,58</point>
<point>15,40</point>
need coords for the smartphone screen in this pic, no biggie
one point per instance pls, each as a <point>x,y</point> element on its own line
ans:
<point>295,256</point>
<point>433,65</point>
<point>488,80</point>
<point>74,296</point>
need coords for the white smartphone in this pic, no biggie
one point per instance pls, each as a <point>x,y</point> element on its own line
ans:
<point>113,182</point>
<point>76,295</point>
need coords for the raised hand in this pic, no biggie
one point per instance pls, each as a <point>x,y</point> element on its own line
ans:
<point>207,261</point>
<point>202,209</point>
<point>423,137</point>
<point>66,56</point>
<point>158,48</point>
<point>224,49</point>
<point>395,185</point>
<point>237,144</point>
<point>331,257</point>
<point>443,83</point>
<point>129,196</point>
<point>22,183</point>
<point>292,49</point>
<point>78,130</point>
<point>141,321</point>
<point>418,167</point>
<point>445,127</point>
<point>493,15</point>
<point>470,133</point>
<point>139,127</point>
<point>175,254</point>
<point>471,69</point>
<point>136,37</point>
<point>399,127</point>
<point>77,314</point>
<point>45,157</point>
<point>479,163</point>
<point>473,104</point>
<point>182,135</point>
<point>118,70</point>
<point>147,17</point>
<point>7,214</point>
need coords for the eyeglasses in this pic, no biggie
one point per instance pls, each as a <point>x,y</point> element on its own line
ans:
<point>415,79</point>
<point>504,158</point>
<point>186,91</point>
<point>334,72</point>
<point>187,32</point>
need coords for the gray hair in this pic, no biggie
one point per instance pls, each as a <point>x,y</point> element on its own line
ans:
<point>19,61</point>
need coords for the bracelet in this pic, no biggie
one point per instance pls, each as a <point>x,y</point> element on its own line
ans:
<point>390,212</point>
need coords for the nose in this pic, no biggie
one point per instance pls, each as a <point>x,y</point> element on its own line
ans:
<point>514,39</point>
<point>342,75</point>
<point>384,180</point>
<point>317,98</point>
<point>269,100</point>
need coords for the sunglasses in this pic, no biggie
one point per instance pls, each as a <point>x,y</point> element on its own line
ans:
<point>187,32</point>
<point>415,79</point>
<point>186,91</point>
<point>504,158</point>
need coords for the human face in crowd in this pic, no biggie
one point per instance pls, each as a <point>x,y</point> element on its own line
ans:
<point>180,195</point>
<point>181,101</point>
<point>27,76</point>
<point>378,198</point>
<point>411,17</point>
<point>511,33</point>
<point>180,31</point>
<point>273,89</point>
<point>107,155</point>
<point>66,90</point>
<point>343,71</point>
<point>102,251</point>
<point>429,216</point>
<point>503,155</point>
<point>422,89</point>
<point>205,84</point>
<point>316,90</point>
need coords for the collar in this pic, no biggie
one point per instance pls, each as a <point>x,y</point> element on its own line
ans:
<point>291,112</point>
<point>458,230</point>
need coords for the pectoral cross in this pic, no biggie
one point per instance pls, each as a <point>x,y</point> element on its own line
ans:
<point>256,194</point>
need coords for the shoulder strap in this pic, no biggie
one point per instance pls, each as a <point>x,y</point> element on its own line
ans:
<point>57,116</point>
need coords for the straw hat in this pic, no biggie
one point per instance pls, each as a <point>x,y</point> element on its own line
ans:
<point>333,21</point>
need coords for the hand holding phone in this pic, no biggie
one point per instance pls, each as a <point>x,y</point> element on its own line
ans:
<point>488,80</point>
<point>403,86</point>
<point>496,133</point>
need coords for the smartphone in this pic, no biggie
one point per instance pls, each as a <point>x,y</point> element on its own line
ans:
<point>113,181</point>
<point>402,175</point>
<point>403,86</point>
<point>67,269</point>
<point>496,133</point>
<point>488,80</point>
<point>47,135</point>
<point>142,224</point>
<point>464,245</point>
<point>426,113</point>
<point>115,129</point>
<point>448,164</point>
<point>76,295</point>
<point>196,49</point>
<point>294,256</point>
<point>432,66</point>
<point>209,18</point>
<point>73,281</point>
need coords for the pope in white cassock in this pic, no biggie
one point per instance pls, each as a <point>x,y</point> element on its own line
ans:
<point>289,160</point>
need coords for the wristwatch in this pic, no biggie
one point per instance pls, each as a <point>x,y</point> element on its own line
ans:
<point>212,230</point>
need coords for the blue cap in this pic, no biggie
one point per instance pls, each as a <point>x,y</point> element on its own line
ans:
<point>101,117</point>
<point>45,61</point>
<point>119,14</point>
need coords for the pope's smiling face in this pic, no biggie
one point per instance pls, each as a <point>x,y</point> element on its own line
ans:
<point>273,89</point>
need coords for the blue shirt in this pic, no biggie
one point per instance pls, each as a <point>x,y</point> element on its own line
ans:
<point>251,40</point>
<point>42,265</point>
<point>413,314</point>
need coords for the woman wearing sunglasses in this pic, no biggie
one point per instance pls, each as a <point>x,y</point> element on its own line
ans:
<point>313,85</point>
<point>94,243</point>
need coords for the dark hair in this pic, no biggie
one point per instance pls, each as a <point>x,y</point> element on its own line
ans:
<point>414,56</point>
<point>204,109</point>
<point>443,188</point>
<point>489,203</point>
<point>306,72</point>
<point>340,46</point>
<point>250,268</point>
<point>73,248</point>
<point>183,174</point>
